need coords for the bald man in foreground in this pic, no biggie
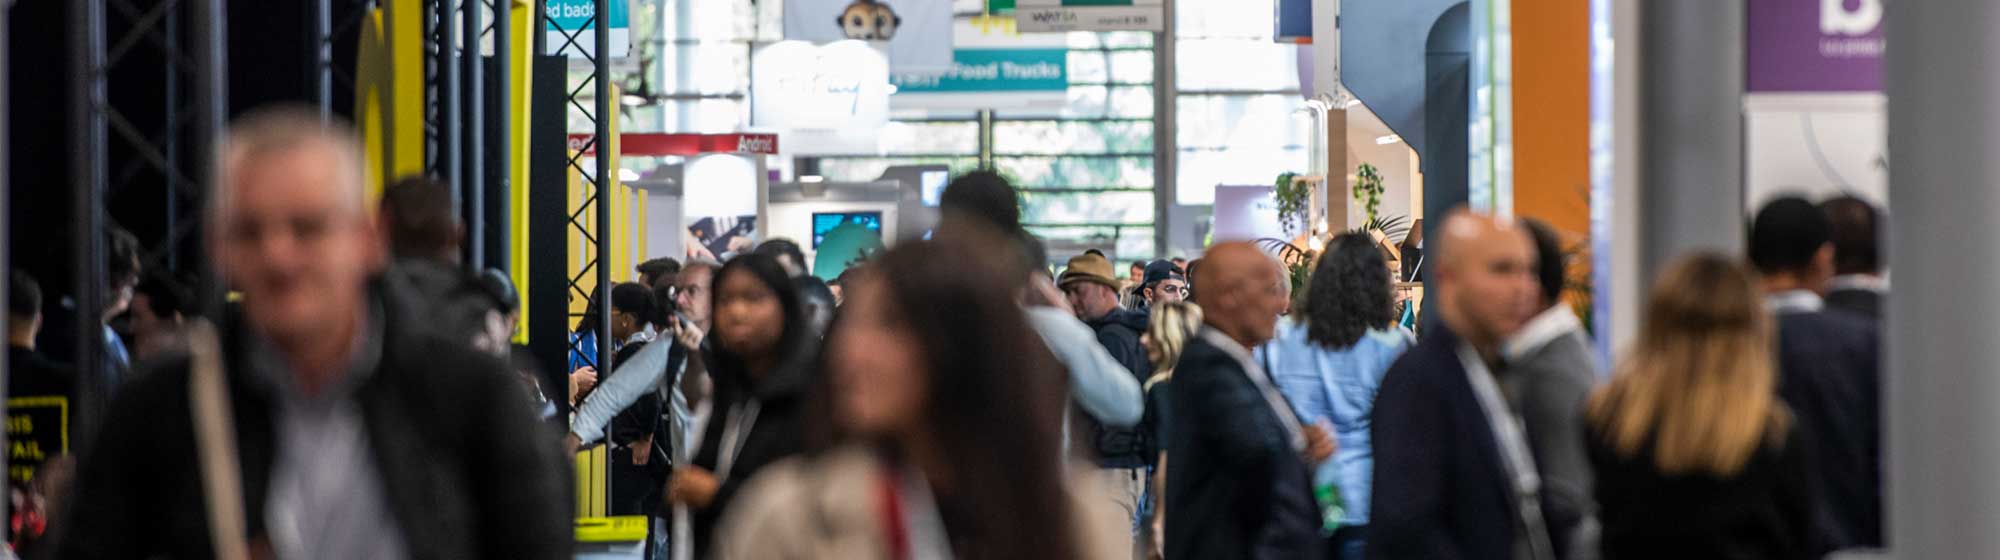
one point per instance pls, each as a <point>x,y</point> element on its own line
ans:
<point>1241,481</point>
<point>340,427</point>
<point>1453,474</point>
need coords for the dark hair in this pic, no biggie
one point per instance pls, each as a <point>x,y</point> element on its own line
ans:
<point>501,288</point>
<point>1190,277</point>
<point>728,366</point>
<point>122,266</point>
<point>24,295</point>
<point>591,310</point>
<point>166,296</point>
<point>984,194</point>
<point>1033,252</point>
<point>420,219</point>
<point>1857,235</point>
<point>635,299</point>
<point>1349,294</point>
<point>994,397</point>
<point>1786,235</point>
<point>1099,253</point>
<point>654,268</point>
<point>787,248</point>
<point>1549,259</point>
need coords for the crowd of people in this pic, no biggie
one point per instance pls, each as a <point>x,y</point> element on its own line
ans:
<point>361,397</point>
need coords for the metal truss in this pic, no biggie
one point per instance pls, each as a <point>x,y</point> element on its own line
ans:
<point>187,38</point>
<point>595,182</point>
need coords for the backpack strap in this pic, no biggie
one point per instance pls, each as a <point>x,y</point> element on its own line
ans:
<point>215,444</point>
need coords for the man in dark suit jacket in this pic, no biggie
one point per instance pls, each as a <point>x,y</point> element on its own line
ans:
<point>1239,484</point>
<point>1453,474</point>
<point>1828,371</point>
<point>1857,286</point>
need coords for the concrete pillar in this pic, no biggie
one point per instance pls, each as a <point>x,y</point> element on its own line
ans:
<point>1691,129</point>
<point>1943,423</point>
<point>1676,149</point>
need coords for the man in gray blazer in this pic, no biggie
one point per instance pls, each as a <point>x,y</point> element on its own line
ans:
<point>1549,372</point>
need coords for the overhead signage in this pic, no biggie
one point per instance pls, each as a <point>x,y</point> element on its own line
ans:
<point>567,17</point>
<point>994,67</point>
<point>663,144</point>
<point>1814,46</point>
<point>831,98</point>
<point>1090,15</point>
<point>916,33</point>
<point>993,70</point>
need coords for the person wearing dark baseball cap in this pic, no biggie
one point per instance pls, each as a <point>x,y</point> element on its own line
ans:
<point>1093,293</point>
<point>1164,283</point>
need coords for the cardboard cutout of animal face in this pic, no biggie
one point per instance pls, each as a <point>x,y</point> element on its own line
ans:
<point>869,20</point>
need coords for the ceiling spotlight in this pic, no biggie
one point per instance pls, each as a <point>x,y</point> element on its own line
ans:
<point>1390,139</point>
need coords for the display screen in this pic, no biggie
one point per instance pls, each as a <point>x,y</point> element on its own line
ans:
<point>824,222</point>
<point>933,183</point>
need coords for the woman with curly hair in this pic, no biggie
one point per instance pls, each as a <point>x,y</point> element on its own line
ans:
<point>1329,361</point>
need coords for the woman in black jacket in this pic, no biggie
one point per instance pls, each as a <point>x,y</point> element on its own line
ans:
<point>762,359</point>
<point>1695,455</point>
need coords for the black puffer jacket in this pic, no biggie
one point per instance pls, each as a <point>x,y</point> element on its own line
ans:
<point>1119,332</point>
<point>771,433</point>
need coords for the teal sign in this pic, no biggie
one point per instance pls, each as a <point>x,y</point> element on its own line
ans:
<point>568,16</point>
<point>993,70</point>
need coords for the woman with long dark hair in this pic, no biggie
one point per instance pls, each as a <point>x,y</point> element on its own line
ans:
<point>1329,363</point>
<point>761,357</point>
<point>947,409</point>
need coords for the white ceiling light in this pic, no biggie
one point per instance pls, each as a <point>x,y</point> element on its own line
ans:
<point>1390,139</point>
<point>812,179</point>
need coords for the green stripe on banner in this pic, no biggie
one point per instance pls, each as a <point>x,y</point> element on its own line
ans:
<point>998,7</point>
<point>990,70</point>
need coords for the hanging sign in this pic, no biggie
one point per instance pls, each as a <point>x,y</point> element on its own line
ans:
<point>576,17</point>
<point>993,67</point>
<point>825,99</point>
<point>665,144</point>
<point>916,33</point>
<point>1090,15</point>
<point>1814,45</point>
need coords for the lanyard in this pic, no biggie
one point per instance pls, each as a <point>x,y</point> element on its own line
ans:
<point>1514,455</point>
<point>735,433</point>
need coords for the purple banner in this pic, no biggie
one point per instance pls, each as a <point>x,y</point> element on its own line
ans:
<point>1814,45</point>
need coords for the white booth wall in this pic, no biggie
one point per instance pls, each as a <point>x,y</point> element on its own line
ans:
<point>1818,145</point>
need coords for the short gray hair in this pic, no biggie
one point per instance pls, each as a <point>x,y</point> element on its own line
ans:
<point>281,129</point>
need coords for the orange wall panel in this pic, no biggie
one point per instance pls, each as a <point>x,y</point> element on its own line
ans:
<point>1551,41</point>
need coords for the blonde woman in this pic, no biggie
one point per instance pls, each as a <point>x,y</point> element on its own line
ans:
<point>1170,327</point>
<point>1695,455</point>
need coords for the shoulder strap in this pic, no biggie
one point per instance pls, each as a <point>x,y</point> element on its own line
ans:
<point>221,481</point>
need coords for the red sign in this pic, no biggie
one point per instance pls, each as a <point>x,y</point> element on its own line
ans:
<point>658,144</point>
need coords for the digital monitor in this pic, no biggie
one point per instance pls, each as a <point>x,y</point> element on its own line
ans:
<point>933,183</point>
<point>824,222</point>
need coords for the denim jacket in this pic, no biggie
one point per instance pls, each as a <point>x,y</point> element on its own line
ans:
<point>1336,387</point>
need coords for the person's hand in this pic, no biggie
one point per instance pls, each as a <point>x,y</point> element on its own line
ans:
<point>571,444</point>
<point>689,335</point>
<point>692,486</point>
<point>1159,551</point>
<point>581,381</point>
<point>642,451</point>
<point>1045,292</point>
<point>1319,445</point>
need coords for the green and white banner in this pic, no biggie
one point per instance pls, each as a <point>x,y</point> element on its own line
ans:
<point>1087,15</point>
<point>993,67</point>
